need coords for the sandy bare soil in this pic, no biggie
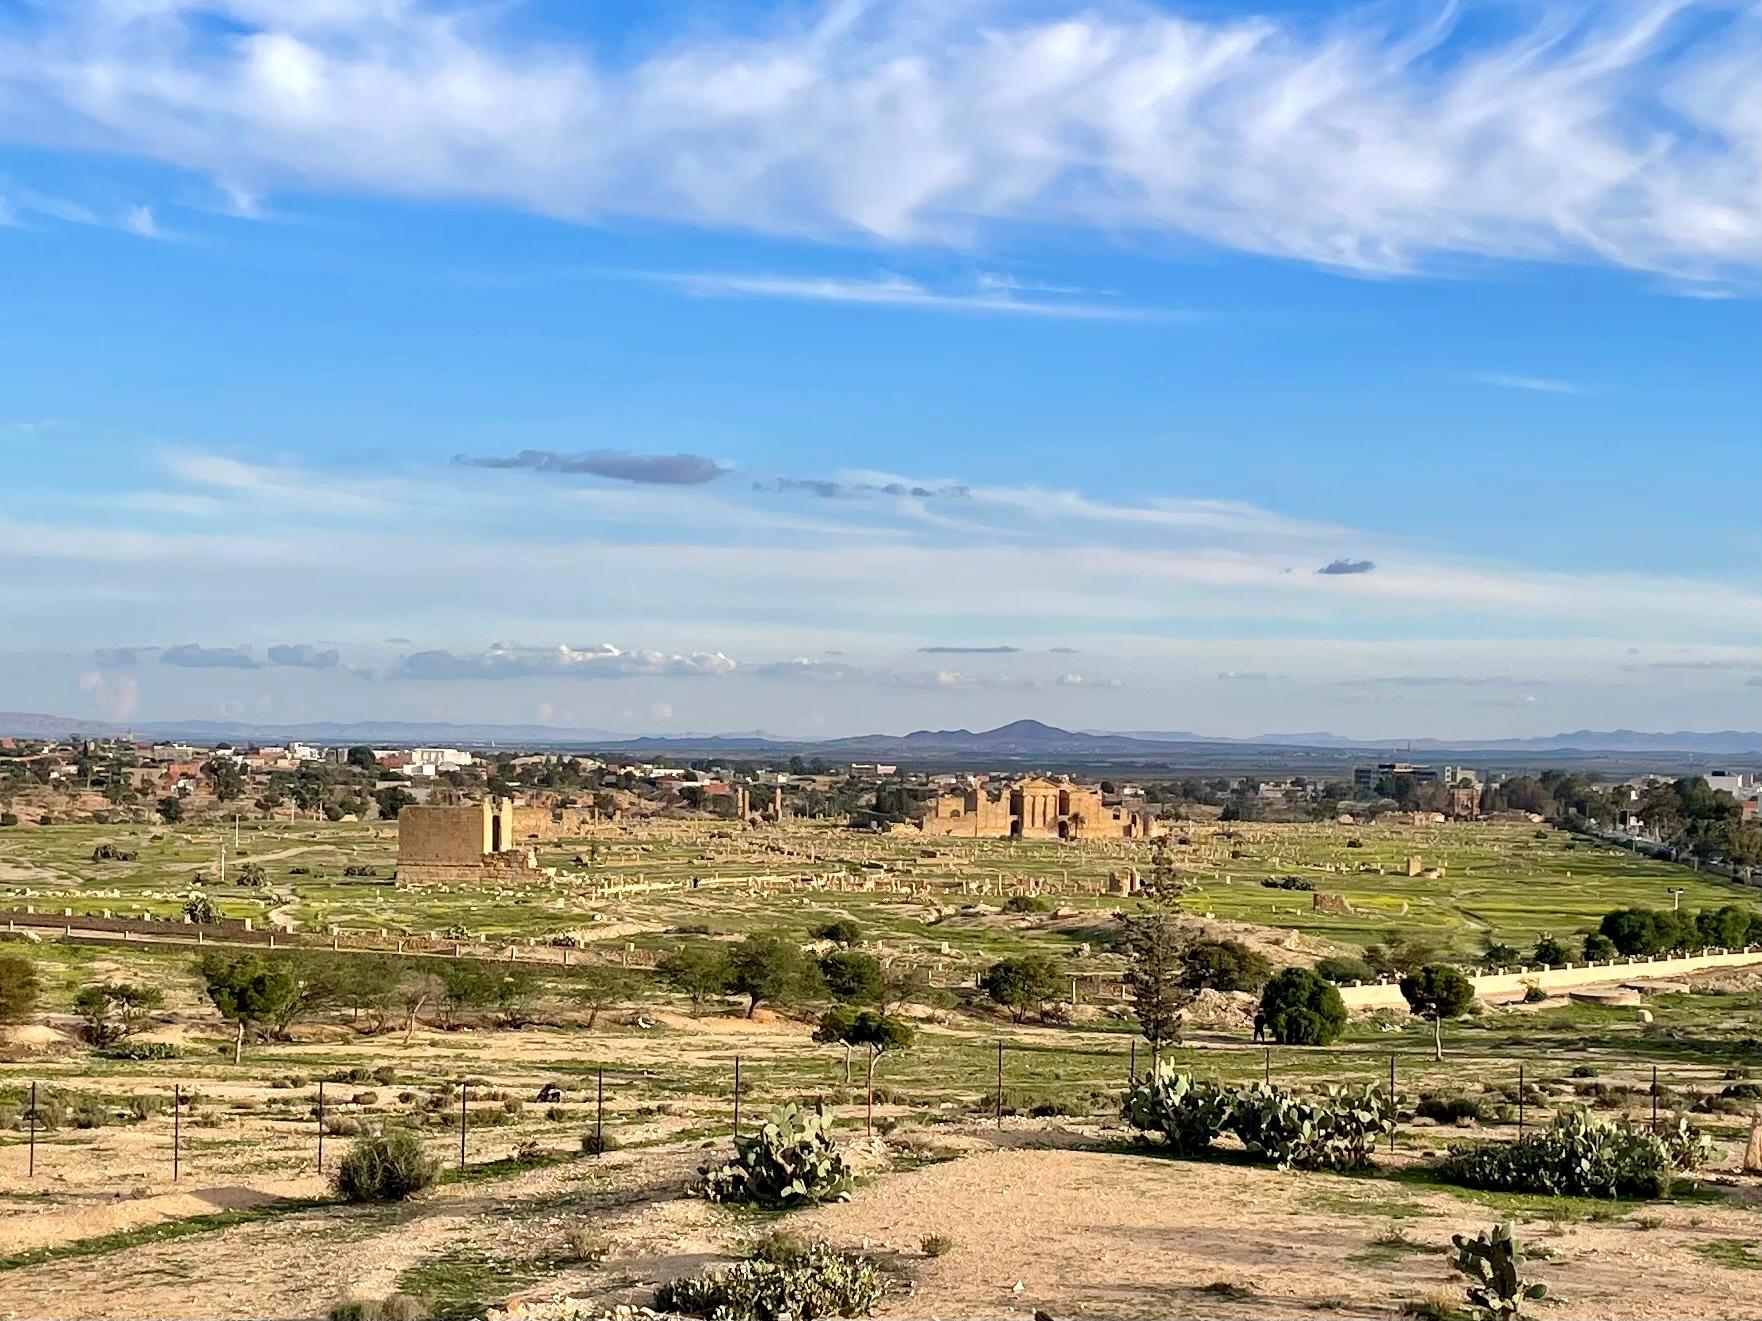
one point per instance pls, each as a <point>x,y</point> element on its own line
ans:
<point>1046,1220</point>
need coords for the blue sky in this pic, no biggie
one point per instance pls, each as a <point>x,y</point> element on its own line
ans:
<point>844,340</point>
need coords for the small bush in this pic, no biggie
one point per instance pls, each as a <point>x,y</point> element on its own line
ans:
<point>556,1114</point>
<point>88,1112</point>
<point>530,1152</point>
<point>779,1247</point>
<point>142,1050</point>
<point>385,1075</point>
<point>341,1126</point>
<point>1341,969</point>
<point>936,1245</point>
<point>387,1167</point>
<point>366,1098</point>
<point>819,1283</point>
<point>1451,1109</point>
<point>1026,903</point>
<point>144,1105</point>
<point>594,1144</point>
<point>584,1245</point>
<point>789,1161</point>
<point>395,1307</point>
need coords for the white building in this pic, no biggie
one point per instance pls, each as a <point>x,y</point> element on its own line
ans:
<point>446,758</point>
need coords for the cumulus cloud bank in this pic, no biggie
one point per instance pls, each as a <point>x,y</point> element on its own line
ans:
<point>1374,139</point>
<point>304,656</point>
<point>513,661</point>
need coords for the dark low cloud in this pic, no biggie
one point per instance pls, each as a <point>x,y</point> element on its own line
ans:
<point>122,655</point>
<point>969,651</point>
<point>830,490</point>
<point>1347,566</point>
<point>304,655</point>
<point>1062,651</point>
<point>620,465</point>
<point>191,656</point>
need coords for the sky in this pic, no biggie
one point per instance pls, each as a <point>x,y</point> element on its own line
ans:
<point>828,368</point>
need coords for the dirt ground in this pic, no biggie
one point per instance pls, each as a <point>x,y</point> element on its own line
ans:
<point>1041,1219</point>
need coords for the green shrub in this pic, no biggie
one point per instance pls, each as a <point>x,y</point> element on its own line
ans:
<point>1335,1129</point>
<point>1450,1109</point>
<point>779,1247</point>
<point>1223,965</point>
<point>593,1144</point>
<point>142,1050</point>
<point>1026,903</point>
<point>1187,1115</point>
<point>395,1307</point>
<point>1341,969</point>
<point>144,1105</point>
<point>936,1245</point>
<point>1302,1010</point>
<point>385,1167</point>
<point>88,1112</point>
<point>789,1161</point>
<point>1578,1155</point>
<point>819,1283</point>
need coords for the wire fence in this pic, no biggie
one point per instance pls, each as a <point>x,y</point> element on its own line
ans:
<point>979,1082</point>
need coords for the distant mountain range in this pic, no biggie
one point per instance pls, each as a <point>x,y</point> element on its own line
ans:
<point>1021,741</point>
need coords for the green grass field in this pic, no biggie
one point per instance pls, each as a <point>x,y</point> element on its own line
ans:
<point>1512,883</point>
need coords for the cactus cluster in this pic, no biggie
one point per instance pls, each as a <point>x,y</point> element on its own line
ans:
<point>817,1282</point>
<point>1185,1112</point>
<point>1493,1260</point>
<point>1686,1145</point>
<point>791,1160</point>
<point>1335,1129</point>
<point>1579,1154</point>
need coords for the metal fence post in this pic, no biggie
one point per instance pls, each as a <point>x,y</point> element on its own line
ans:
<point>177,1132</point>
<point>1132,1063</point>
<point>1000,1084</point>
<point>31,1168</point>
<point>1394,1110</point>
<point>321,1126</point>
<point>599,1116</point>
<point>737,1096</point>
<point>464,1089</point>
<point>1520,1099</point>
<point>1654,1098</point>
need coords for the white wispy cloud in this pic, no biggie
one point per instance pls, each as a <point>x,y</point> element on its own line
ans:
<point>1538,384</point>
<point>1621,132</point>
<point>891,290</point>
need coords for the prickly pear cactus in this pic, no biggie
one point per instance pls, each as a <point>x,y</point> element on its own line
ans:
<point>790,1161</point>
<point>1185,1112</point>
<point>1493,1260</point>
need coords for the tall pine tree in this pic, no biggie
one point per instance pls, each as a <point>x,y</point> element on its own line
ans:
<point>1153,950</point>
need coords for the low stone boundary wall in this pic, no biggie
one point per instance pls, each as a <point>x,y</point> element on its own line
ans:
<point>230,928</point>
<point>1387,995</point>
